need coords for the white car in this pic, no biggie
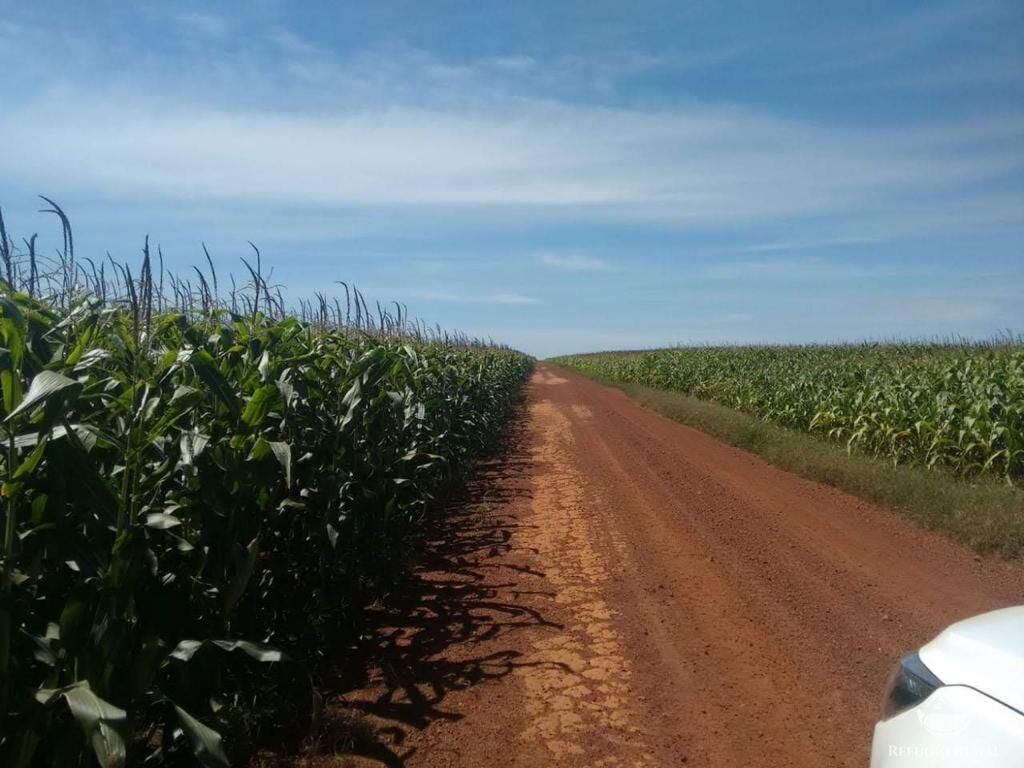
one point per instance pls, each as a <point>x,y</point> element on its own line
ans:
<point>959,701</point>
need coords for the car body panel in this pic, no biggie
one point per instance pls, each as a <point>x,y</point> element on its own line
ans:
<point>984,652</point>
<point>955,727</point>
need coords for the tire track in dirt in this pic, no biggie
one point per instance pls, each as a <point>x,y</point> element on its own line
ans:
<point>580,706</point>
<point>623,590</point>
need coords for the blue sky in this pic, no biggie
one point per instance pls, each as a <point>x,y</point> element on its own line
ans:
<point>560,176</point>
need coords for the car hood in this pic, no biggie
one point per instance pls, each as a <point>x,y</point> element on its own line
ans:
<point>984,652</point>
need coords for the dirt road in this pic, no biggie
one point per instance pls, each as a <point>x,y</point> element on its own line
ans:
<point>626,591</point>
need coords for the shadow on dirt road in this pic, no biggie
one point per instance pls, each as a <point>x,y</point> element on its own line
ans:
<point>444,627</point>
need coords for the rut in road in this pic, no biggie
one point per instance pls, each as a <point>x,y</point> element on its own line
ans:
<point>626,591</point>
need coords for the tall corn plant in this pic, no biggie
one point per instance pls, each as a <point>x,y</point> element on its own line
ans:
<point>957,405</point>
<point>197,503</point>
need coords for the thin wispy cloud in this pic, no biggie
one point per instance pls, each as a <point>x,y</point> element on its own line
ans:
<point>510,298</point>
<point>803,245</point>
<point>700,165</point>
<point>417,132</point>
<point>573,262</point>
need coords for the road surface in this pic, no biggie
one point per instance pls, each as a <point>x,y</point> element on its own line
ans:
<point>622,590</point>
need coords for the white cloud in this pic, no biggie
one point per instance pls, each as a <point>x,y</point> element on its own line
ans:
<point>573,261</point>
<point>288,122</point>
<point>704,164</point>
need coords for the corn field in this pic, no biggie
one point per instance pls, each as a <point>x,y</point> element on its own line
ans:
<point>200,494</point>
<point>958,406</point>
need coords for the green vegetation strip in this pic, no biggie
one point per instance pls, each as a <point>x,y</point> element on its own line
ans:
<point>197,504</point>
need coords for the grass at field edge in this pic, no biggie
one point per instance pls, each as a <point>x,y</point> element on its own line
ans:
<point>987,515</point>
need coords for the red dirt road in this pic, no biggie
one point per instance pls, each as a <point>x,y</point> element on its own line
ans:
<point>626,591</point>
